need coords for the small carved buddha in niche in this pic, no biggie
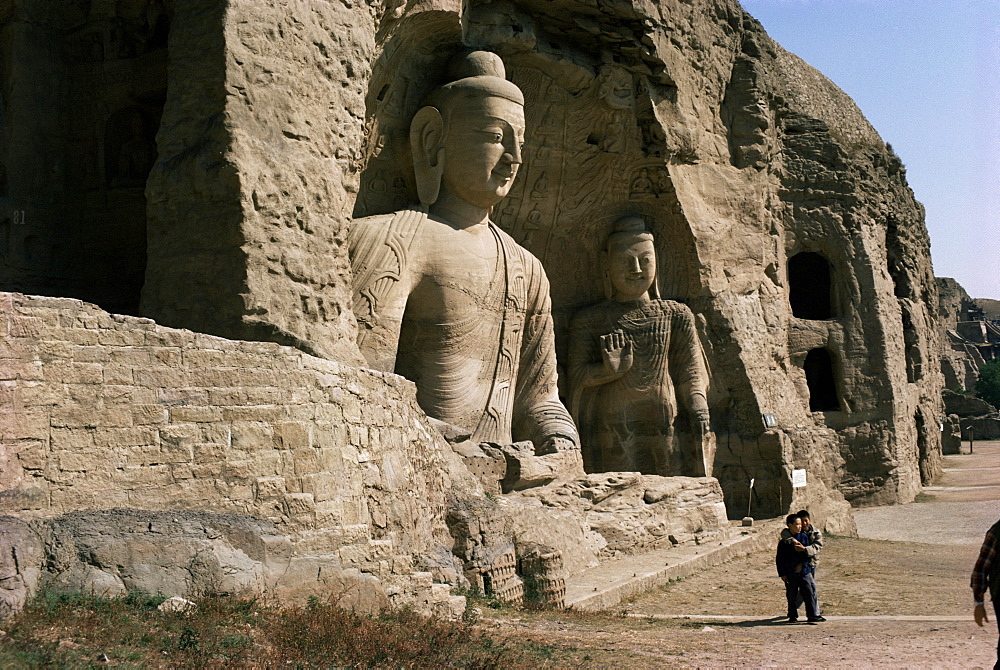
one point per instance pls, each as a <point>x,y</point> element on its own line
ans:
<point>632,359</point>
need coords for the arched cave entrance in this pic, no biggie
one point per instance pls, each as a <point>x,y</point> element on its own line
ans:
<point>822,385</point>
<point>810,286</point>
<point>129,154</point>
<point>74,210</point>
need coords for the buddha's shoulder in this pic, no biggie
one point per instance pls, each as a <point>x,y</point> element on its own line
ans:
<point>671,307</point>
<point>368,226</point>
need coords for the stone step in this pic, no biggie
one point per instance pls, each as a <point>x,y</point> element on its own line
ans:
<point>614,581</point>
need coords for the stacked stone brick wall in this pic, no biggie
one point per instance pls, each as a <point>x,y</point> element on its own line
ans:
<point>103,411</point>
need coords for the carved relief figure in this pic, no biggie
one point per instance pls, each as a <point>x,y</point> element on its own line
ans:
<point>642,185</point>
<point>136,154</point>
<point>615,91</point>
<point>541,188</point>
<point>631,359</point>
<point>445,297</point>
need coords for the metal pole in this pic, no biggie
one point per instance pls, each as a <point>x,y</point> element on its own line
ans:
<point>972,432</point>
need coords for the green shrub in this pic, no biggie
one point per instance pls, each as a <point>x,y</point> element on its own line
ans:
<point>988,384</point>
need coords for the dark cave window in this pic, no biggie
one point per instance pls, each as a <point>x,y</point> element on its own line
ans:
<point>819,378</point>
<point>810,286</point>
<point>129,147</point>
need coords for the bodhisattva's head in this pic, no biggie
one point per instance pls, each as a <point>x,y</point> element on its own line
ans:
<point>630,262</point>
<point>466,141</point>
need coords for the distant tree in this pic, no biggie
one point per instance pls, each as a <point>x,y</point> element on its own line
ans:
<point>988,383</point>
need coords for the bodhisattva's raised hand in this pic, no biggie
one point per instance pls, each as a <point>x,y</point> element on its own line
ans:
<point>616,350</point>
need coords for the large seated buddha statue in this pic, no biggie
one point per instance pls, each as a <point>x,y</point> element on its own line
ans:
<point>446,298</point>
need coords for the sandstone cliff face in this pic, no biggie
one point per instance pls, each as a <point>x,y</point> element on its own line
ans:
<point>968,332</point>
<point>780,216</point>
<point>990,307</point>
<point>240,138</point>
<point>219,202</point>
<point>959,360</point>
<point>263,124</point>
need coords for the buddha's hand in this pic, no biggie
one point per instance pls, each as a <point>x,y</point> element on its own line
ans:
<point>699,414</point>
<point>616,350</point>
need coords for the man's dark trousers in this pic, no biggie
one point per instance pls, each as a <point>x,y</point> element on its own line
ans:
<point>996,612</point>
<point>805,586</point>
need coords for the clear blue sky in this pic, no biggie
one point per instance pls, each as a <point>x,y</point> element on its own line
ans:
<point>926,74</point>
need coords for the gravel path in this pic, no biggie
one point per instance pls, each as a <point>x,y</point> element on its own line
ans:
<point>953,511</point>
<point>898,597</point>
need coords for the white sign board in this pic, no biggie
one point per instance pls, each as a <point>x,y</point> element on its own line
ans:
<point>798,479</point>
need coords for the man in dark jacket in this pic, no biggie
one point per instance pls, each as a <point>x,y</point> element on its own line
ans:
<point>811,549</point>
<point>813,533</point>
<point>792,561</point>
<point>986,577</point>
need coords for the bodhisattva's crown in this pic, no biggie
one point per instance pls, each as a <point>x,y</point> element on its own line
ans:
<point>629,227</point>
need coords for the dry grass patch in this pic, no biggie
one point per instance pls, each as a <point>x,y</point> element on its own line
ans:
<point>79,631</point>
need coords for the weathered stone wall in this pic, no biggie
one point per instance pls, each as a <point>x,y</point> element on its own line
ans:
<point>105,412</point>
<point>134,456</point>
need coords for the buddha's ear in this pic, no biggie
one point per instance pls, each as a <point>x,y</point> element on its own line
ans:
<point>426,135</point>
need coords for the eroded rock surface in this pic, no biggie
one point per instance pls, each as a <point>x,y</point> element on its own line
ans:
<point>780,219</point>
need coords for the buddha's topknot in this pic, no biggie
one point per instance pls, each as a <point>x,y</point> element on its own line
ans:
<point>472,74</point>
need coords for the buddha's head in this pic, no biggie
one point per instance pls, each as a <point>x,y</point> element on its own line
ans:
<point>467,139</point>
<point>630,262</point>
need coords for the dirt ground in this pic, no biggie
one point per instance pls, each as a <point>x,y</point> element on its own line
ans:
<point>888,603</point>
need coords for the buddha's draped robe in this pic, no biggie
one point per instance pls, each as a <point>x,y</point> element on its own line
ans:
<point>491,370</point>
<point>627,423</point>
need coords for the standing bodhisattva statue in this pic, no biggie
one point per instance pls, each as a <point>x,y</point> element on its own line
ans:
<point>631,358</point>
<point>447,299</point>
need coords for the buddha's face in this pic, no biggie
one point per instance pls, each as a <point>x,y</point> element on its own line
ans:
<point>631,268</point>
<point>482,149</point>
